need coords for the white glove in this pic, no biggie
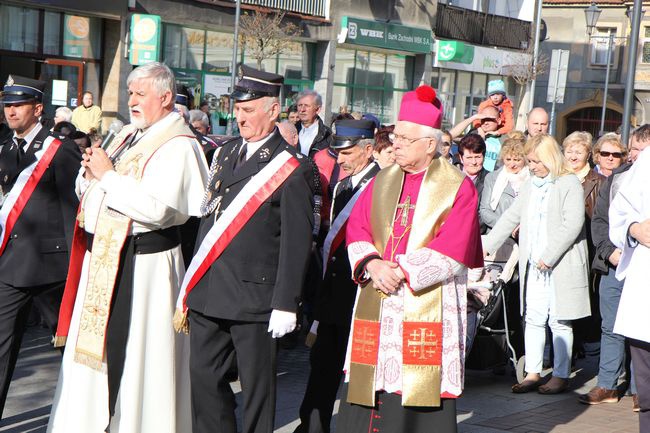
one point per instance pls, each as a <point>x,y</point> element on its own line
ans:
<point>281,323</point>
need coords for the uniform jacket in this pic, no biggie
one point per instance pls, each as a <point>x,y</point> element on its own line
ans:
<point>338,291</point>
<point>566,252</point>
<point>38,249</point>
<point>323,137</point>
<point>264,266</point>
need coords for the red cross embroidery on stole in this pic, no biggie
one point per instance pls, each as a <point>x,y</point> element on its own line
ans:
<point>365,342</point>
<point>422,343</point>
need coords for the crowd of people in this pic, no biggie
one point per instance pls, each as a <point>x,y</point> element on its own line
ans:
<point>365,234</point>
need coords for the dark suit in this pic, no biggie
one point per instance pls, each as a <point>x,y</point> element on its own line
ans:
<point>34,265</point>
<point>262,269</point>
<point>334,304</point>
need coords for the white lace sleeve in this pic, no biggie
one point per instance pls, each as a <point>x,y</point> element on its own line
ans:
<point>425,267</point>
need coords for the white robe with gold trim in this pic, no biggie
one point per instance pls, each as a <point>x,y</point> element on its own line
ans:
<point>155,388</point>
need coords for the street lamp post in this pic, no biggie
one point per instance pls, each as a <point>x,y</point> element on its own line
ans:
<point>635,19</point>
<point>233,71</point>
<point>592,13</point>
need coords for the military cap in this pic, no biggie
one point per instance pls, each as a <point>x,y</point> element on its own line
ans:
<point>20,89</point>
<point>350,131</point>
<point>182,95</point>
<point>255,84</point>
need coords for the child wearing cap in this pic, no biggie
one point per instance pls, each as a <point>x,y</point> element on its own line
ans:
<point>498,99</point>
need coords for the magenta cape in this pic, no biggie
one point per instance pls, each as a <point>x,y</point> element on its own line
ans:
<point>459,237</point>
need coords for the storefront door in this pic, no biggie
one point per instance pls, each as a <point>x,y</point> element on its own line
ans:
<point>67,93</point>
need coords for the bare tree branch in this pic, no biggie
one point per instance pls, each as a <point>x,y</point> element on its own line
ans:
<point>264,35</point>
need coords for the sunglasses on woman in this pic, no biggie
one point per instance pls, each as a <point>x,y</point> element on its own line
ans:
<point>605,154</point>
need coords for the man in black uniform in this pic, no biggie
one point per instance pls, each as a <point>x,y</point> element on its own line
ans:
<point>249,295</point>
<point>353,143</point>
<point>35,237</point>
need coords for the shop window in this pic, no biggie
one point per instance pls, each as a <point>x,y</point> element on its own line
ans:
<point>344,63</point>
<point>599,46</point>
<point>292,64</point>
<point>18,29</point>
<point>183,47</point>
<point>645,57</point>
<point>52,33</point>
<point>218,52</point>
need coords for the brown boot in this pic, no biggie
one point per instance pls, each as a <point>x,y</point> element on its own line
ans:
<point>599,395</point>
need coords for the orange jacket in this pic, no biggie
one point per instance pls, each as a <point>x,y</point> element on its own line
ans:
<point>506,119</point>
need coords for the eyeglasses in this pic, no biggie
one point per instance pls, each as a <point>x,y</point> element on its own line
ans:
<point>446,143</point>
<point>395,138</point>
<point>488,119</point>
<point>608,154</point>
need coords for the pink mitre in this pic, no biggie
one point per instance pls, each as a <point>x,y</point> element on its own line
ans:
<point>422,107</point>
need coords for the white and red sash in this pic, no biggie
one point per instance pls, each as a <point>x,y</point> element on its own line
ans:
<point>23,188</point>
<point>235,216</point>
<point>336,233</point>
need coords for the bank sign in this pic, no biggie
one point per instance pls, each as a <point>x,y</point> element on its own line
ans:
<point>384,35</point>
<point>466,57</point>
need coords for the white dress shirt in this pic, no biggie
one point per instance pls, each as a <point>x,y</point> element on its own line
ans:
<point>306,137</point>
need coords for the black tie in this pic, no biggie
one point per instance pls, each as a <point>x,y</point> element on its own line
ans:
<point>20,142</point>
<point>242,156</point>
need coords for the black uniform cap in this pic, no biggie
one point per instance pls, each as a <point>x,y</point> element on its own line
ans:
<point>349,132</point>
<point>255,84</point>
<point>20,89</point>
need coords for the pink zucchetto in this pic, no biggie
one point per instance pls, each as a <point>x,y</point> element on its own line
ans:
<point>422,107</point>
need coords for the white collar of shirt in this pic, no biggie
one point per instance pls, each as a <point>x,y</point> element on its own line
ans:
<point>356,178</point>
<point>253,146</point>
<point>29,137</point>
<point>306,136</point>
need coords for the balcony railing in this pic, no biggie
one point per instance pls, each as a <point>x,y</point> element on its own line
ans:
<point>481,28</point>
<point>317,8</point>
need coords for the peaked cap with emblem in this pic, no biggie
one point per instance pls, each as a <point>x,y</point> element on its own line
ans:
<point>182,95</point>
<point>20,89</point>
<point>255,84</point>
<point>350,131</point>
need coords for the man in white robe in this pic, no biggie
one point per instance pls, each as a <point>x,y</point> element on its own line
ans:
<point>629,230</point>
<point>151,183</point>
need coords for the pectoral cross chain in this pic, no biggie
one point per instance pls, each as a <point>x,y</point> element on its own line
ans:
<point>406,207</point>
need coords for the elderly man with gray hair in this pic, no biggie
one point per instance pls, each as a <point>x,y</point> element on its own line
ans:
<point>62,114</point>
<point>124,368</point>
<point>353,144</point>
<point>313,135</point>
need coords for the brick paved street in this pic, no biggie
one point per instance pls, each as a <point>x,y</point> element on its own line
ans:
<point>488,406</point>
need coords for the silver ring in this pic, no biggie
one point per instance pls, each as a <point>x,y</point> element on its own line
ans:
<point>381,281</point>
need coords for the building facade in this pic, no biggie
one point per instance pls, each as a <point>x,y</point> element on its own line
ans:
<point>583,101</point>
<point>361,55</point>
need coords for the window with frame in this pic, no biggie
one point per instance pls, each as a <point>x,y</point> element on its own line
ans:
<point>600,46</point>
<point>645,53</point>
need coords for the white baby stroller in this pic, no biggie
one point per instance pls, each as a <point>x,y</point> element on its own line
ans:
<point>489,300</point>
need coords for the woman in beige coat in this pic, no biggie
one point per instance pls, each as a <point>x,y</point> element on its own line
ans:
<point>553,260</point>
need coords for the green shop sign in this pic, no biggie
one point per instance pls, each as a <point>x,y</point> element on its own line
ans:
<point>454,51</point>
<point>384,35</point>
<point>145,39</point>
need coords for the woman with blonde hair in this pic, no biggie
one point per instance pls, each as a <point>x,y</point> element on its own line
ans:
<point>609,153</point>
<point>552,260</point>
<point>502,186</point>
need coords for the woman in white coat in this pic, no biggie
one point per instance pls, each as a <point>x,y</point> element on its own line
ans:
<point>552,262</point>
